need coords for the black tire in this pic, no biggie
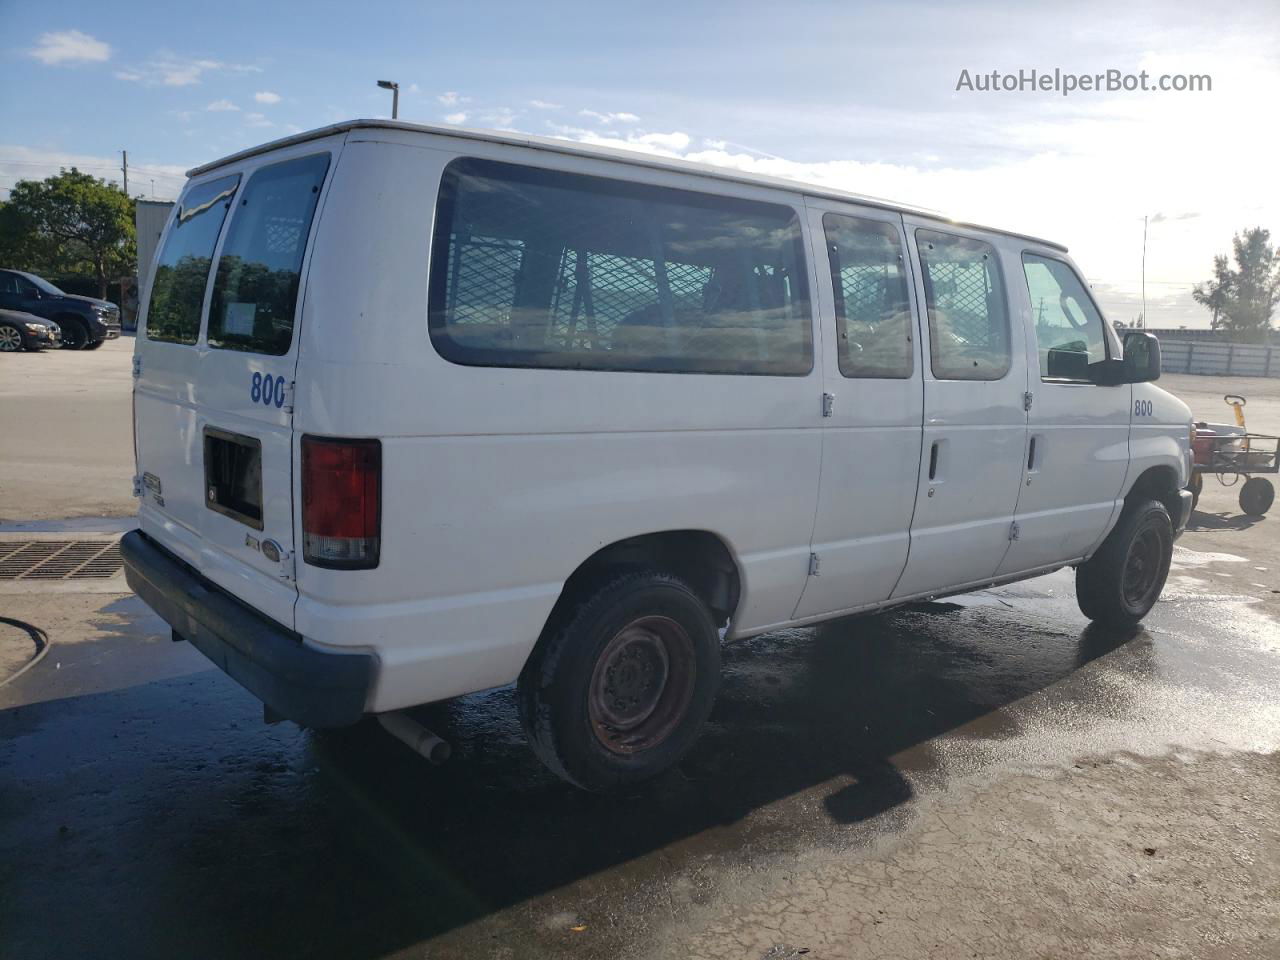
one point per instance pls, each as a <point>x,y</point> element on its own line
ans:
<point>592,675</point>
<point>1256,496</point>
<point>1120,583</point>
<point>94,344</point>
<point>1196,486</point>
<point>74,334</point>
<point>11,339</point>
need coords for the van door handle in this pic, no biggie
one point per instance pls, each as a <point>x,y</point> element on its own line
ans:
<point>933,461</point>
<point>1031,455</point>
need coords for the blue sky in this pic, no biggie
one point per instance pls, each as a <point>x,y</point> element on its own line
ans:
<point>862,96</point>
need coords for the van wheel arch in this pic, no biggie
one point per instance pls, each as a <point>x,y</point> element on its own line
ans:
<point>1156,483</point>
<point>698,557</point>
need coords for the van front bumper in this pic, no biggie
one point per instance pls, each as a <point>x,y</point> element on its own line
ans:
<point>312,687</point>
<point>1180,522</point>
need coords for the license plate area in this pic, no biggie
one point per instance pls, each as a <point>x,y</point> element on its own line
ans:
<point>233,476</point>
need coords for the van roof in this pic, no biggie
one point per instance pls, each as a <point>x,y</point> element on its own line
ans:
<point>608,153</point>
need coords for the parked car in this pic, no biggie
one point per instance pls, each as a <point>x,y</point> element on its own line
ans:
<point>421,412</point>
<point>86,322</point>
<point>26,331</point>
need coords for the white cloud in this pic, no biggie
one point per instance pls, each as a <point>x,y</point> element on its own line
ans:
<point>676,141</point>
<point>610,117</point>
<point>1083,173</point>
<point>266,96</point>
<point>256,120</point>
<point>222,106</point>
<point>69,46</point>
<point>501,118</point>
<point>31,163</point>
<point>673,144</point>
<point>413,88</point>
<point>451,98</point>
<point>455,118</point>
<point>545,105</point>
<point>169,70</point>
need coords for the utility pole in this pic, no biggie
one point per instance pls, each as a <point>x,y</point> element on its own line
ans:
<point>1144,271</point>
<point>124,166</point>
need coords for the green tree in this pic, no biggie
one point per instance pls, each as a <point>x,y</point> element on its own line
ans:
<point>73,223</point>
<point>1242,298</point>
<point>19,247</point>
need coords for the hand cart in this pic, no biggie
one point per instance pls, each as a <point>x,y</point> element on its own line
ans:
<point>1229,452</point>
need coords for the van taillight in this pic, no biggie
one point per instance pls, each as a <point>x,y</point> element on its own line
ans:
<point>341,502</point>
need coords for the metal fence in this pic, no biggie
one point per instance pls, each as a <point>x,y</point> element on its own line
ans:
<point>1223,359</point>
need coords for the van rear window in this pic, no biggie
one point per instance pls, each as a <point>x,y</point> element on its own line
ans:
<point>542,268</point>
<point>182,270</point>
<point>255,291</point>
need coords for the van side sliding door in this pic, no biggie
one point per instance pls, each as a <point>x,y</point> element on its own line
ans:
<point>872,374</point>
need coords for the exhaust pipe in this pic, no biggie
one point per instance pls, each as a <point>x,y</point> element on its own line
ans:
<point>415,736</point>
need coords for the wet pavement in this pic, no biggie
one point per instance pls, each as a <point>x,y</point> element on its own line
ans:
<point>146,810</point>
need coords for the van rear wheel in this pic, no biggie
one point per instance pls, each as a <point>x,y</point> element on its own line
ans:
<point>619,687</point>
<point>1120,583</point>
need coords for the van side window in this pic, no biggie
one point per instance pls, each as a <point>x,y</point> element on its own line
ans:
<point>873,312</point>
<point>255,290</point>
<point>542,268</point>
<point>968,311</point>
<point>1069,329</point>
<point>182,269</point>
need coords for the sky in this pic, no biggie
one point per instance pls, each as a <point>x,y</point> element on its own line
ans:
<point>860,96</point>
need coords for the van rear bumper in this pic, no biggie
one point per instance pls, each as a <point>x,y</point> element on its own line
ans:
<point>312,687</point>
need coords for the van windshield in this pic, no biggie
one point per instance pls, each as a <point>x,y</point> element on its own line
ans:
<point>182,270</point>
<point>256,288</point>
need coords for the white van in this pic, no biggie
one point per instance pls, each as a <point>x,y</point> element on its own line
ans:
<point>423,411</point>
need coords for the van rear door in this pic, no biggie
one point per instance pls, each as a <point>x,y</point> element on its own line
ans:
<point>215,365</point>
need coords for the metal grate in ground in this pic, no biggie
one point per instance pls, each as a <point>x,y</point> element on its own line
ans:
<point>59,559</point>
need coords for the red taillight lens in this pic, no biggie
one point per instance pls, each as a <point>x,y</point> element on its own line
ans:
<point>341,502</point>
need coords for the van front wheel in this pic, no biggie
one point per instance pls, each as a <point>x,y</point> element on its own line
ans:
<point>1120,583</point>
<point>618,689</point>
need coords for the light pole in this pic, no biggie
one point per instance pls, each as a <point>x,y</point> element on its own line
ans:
<point>395,96</point>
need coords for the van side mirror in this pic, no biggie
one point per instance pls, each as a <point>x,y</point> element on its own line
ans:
<point>1108,373</point>
<point>1141,357</point>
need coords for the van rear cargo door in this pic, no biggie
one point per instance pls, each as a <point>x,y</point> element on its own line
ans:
<point>214,400</point>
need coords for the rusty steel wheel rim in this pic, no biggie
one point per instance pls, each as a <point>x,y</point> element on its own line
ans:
<point>641,685</point>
